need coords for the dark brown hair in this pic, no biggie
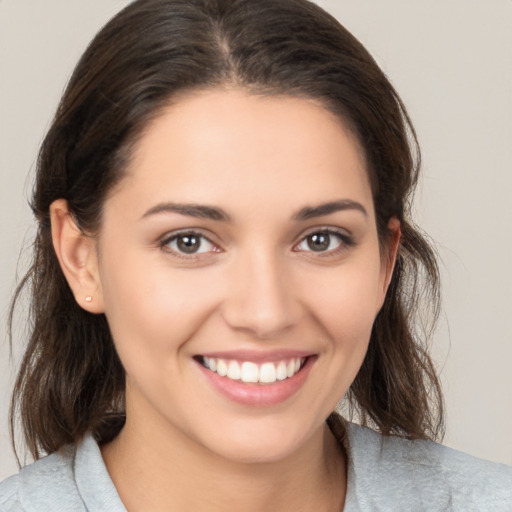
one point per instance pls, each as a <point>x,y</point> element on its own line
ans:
<point>71,380</point>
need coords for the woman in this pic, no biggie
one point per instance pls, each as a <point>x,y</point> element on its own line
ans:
<point>224,252</point>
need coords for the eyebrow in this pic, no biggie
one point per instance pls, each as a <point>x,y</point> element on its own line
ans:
<point>310,212</point>
<point>214,213</point>
<point>191,210</point>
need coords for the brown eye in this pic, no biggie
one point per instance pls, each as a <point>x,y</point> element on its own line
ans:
<point>189,243</point>
<point>324,241</point>
<point>319,241</point>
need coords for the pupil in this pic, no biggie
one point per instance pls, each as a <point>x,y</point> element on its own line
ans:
<point>188,243</point>
<point>319,242</point>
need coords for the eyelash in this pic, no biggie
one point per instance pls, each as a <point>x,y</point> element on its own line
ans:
<point>165,242</point>
<point>346,241</point>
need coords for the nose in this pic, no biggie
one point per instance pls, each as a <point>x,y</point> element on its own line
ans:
<point>262,299</point>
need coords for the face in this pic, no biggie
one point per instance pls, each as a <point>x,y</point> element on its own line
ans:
<point>240,272</point>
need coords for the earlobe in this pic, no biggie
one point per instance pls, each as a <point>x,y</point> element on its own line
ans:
<point>77,257</point>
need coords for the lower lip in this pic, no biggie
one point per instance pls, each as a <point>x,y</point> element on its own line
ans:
<point>259,395</point>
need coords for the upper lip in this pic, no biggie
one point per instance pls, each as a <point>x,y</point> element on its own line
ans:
<point>257,356</point>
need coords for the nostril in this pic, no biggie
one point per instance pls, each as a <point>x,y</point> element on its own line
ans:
<point>260,321</point>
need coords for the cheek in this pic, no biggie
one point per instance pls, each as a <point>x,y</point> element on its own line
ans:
<point>348,300</point>
<point>346,305</point>
<point>154,311</point>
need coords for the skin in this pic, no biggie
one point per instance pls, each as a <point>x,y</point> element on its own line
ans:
<point>257,285</point>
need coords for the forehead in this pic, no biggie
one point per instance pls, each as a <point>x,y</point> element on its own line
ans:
<point>228,145</point>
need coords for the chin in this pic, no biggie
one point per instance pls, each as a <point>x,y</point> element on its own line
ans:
<point>262,442</point>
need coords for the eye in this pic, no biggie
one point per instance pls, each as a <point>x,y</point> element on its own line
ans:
<point>189,243</point>
<point>324,241</point>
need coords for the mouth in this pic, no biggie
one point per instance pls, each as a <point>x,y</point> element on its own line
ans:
<point>250,372</point>
<point>255,379</point>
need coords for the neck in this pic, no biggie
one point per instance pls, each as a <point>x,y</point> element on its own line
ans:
<point>156,472</point>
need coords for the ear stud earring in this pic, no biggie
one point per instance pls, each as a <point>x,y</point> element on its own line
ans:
<point>88,298</point>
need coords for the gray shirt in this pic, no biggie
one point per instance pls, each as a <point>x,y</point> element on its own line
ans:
<point>384,474</point>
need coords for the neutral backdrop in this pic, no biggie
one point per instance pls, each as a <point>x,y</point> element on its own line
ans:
<point>451,61</point>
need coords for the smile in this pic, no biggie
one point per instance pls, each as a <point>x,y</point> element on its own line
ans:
<point>256,379</point>
<point>251,372</point>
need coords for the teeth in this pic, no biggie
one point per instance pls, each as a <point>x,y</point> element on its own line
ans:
<point>267,373</point>
<point>250,372</point>
<point>281,372</point>
<point>234,372</point>
<point>222,368</point>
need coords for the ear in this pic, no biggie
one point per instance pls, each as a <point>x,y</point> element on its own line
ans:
<point>389,255</point>
<point>77,257</point>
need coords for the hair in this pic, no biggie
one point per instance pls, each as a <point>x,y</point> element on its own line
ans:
<point>70,379</point>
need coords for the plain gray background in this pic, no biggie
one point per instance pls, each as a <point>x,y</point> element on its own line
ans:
<point>451,61</point>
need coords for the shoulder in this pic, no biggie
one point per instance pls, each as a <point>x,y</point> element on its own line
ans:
<point>74,479</point>
<point>9,495</point>
<point>47,483</point>
<point>422,475</point>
